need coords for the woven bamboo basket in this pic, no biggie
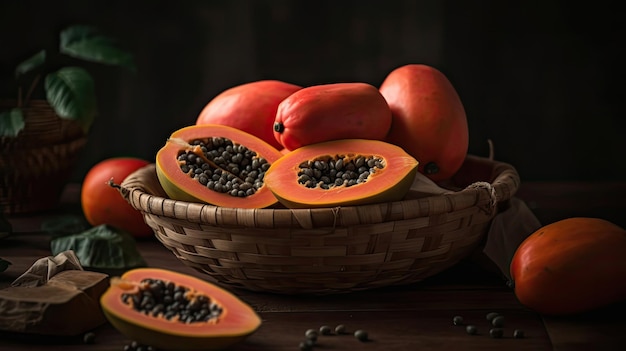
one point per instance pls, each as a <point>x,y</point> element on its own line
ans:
<point>328,250</point>
<point>35,165</point>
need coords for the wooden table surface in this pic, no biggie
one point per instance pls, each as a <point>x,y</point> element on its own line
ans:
<point>414,317</point>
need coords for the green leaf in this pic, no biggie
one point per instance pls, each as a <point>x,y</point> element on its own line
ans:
<point>71,92</point>
<point>64,225</point>
<point>86,43</point>
<point>31,63</point>
<point>11,122</point>
<point>102,247</point>
<point>4,265</point>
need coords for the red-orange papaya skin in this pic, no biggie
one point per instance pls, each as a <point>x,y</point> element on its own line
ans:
<point>429,119</point>
<point>330,112</point>
<point>237,321</point>
<point>250,107</point>
<point>571,266</point>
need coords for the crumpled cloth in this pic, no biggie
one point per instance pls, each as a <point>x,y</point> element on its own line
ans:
<point>507,231</point>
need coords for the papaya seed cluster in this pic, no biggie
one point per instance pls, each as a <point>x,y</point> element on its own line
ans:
<point>225,167</point>
<point>339,170</point>
<point>167,300</point>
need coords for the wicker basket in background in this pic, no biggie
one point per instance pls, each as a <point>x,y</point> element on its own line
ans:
<point>36,165</point>
<point>328,250</point>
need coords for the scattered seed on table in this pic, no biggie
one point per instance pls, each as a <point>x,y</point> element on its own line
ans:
<point>311,334</point>
<point>361,335</point>
<point>518,334</point>
<point>471,329</point>
<point>496,333</point>
<point>491,315</point>
<point>457,320</point>
<point>306,345</point>
<point>498,321</point>
<point>325,330</point>
<point>340,329</point>
<point>89,338</point>
<point>135,346</point>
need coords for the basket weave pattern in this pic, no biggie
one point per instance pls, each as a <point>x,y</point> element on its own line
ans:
<point>325,250</point>
<point>35,165</point>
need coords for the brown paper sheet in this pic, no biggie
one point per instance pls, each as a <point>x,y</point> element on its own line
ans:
<point>55,296</point>
<point>47,267</point>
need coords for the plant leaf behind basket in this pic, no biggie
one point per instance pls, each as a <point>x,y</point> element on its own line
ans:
<point>86,43</point>
<point>30,64</point>
<point>71,93</point>
<point>11,122</point>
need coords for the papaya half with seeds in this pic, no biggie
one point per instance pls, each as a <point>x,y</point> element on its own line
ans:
<point>174,311</point>
<point>342,173</point>
<point>331,111</point>
<point>250,107</point>
<point>218,165</point>
<point>429,119</point>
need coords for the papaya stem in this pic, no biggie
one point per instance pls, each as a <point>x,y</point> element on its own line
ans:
<point>112,184</point>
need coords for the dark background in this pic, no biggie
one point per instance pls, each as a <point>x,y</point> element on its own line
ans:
<point>543,79</point>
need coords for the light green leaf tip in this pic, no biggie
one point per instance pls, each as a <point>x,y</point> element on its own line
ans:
<point>11,122</point>
<point>31,63</point>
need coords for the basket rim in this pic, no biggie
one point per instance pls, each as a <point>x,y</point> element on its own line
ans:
<point>488,196</point>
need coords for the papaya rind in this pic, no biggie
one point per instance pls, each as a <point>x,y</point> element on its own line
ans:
<point>281,178</point>
<point>239,320</point>
<point>179,186</point>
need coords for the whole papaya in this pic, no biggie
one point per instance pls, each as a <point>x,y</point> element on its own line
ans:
<point>330,112</point>
<point>429,119</point>
<point>571,266</point>
<point>250,107</point>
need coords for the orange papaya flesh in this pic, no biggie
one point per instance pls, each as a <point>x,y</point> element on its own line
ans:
<point>330,112</point>
<point>192,166</point>
<point>228,320</point>
<point>295,178</point>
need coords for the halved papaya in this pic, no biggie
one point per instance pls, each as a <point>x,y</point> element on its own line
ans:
<point>216,164</point>
<point>341,173</point>
<point>139,305</point>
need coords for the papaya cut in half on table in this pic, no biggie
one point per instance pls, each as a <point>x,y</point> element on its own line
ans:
<point>342,173</point>
<point>218,165</point>
<point>211,319</point>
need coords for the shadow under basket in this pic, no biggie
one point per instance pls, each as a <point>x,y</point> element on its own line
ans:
<point>36,165</point>
<point>328,250</point>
